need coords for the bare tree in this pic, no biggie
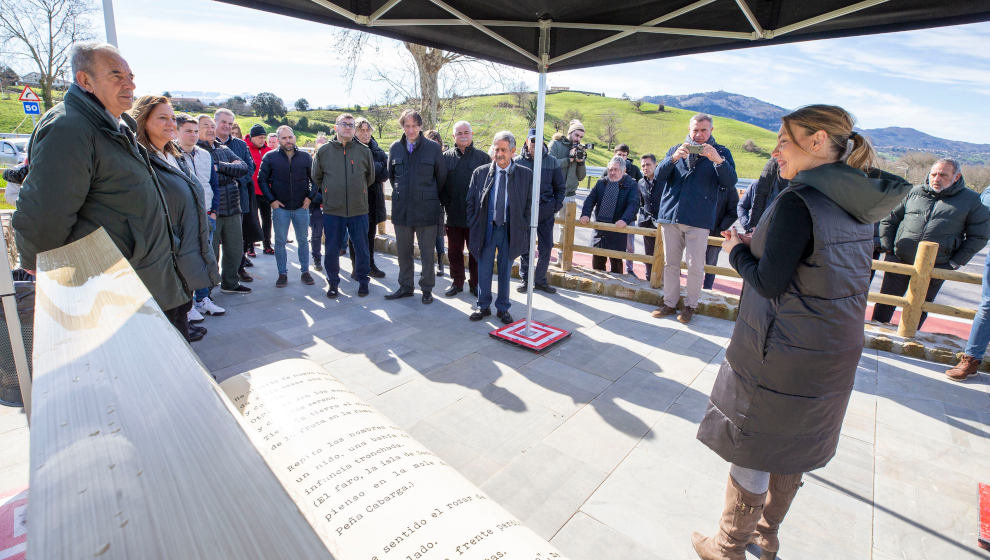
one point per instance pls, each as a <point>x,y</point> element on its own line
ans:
<point>42,32</point>
<point>421,81</point>
<point>381,114</point>
<point>573,114</point>
<point>529,110</point>
<point>637,104</point>
<point>977,176</point>
<point>7,78</point>
<point>610,129</point>
<point>520,94</point>
<point>916,165</point>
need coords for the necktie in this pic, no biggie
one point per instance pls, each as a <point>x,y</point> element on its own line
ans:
<point>500,200</point>
<point>411,146</point>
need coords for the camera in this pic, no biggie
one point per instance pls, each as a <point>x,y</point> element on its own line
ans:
<point>695,148</point>
<point>580,151</point>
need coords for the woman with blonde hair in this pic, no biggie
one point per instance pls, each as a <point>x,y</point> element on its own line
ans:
<point>197,265</point>
<point>777,405</point>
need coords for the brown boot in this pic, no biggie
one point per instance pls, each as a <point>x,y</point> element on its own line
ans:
<point>663,311</point>
<point>968,366</point>
<point>783,488</point>
<point>735,528</point>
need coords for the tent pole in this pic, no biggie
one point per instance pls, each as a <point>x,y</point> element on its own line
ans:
<point>109,22</point>
<point>541,102</point>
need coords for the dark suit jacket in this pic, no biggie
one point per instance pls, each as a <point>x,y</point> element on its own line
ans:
<point>519,182</point>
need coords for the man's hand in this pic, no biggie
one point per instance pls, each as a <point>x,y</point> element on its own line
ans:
<point>680,153</point>
<point>709,151</point>
<point>306,202</point>
<point>621,223</point>
<point>571,154</point>
<point>584,219</point>
<point>277,204</point>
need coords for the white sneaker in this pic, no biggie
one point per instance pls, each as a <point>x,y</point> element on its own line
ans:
<point>207,307</point>
<point>194,316</point>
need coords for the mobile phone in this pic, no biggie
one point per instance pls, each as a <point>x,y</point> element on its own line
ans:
<point>695,148</point>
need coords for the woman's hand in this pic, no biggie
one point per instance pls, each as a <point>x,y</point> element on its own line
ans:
<point>731,240</point>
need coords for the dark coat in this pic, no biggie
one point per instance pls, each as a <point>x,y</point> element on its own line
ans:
<point>86,174</point>
<point>953,218</point>
<point>781,393</point>
<point>227,196</point>
<point>633,170</point>
<point>287,181</point>
<point>649,201</point>
<point>194,254</point>
<point>377,211</point>
<point>725,209</point>
<point>480,214</point>
<point>460,168</point>
<point>246,182</point>
<point>690,194</point>
<point>418,180</point>
<point>551,183</point>
<point>625,209</point>
<point>759,195</point>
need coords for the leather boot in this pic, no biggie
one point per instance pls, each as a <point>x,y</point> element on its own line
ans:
<point>783,488</point>
<point>967,366</point>
<point>735,528</point>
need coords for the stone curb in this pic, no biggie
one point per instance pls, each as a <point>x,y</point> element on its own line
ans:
<point>940,348</point>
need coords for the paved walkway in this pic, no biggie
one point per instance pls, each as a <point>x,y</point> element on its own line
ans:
<point>592,443</point>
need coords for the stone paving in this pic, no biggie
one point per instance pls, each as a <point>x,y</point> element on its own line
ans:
<point>592,444</point>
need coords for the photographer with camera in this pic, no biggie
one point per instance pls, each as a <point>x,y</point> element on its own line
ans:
<point>570,153</point>
<point>693,173</point>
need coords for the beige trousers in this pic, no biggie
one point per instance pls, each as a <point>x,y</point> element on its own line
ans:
<point>692,242</point>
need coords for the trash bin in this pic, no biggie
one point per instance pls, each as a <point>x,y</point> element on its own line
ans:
<point>10,390</point>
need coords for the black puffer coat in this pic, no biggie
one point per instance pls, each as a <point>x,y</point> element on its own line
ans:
<point>377,211</point>
<point>460,167</point>
<point>782,391</point>
<point>954,218</point>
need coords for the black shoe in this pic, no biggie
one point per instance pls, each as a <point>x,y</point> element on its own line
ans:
<point>504,316</point>
<point>440,269</point>
<point>376,272</point>
<point>251,253</point>
<point>195,333</point>
<point>332,292</point>
<point>400,293</point>
<point>453,291</point>
<point>238,289</point>
<point>473,290</point>
<point>244,276</point>
<point>282,281</point>
<point>307,278</point>
<point>269,251</point>
<point>363,290</point>
<point>522,288</point>
<point>316,264</point>
<point>545,288</point>
<point>427,297</point>
<point>246,262</point>
<point>480,314</point>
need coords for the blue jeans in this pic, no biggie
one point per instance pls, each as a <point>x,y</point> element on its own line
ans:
<point>498,240</point>
<point>202,293</point>
<point>979,334</point>
<point>300,222</point>
<point>336,229</point>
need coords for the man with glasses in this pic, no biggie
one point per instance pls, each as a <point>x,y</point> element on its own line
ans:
<point>343,169</point>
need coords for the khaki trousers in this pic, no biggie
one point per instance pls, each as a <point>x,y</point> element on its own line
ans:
<point>692,242</point>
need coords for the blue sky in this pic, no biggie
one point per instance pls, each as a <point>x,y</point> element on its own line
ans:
<point>935,80</point>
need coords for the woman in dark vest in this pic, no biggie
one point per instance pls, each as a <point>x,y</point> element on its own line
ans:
<point>777,405</point>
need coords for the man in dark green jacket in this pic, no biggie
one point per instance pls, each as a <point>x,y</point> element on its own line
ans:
<point>342,170</point>
<point>88,171</point>
<point>943,211</point>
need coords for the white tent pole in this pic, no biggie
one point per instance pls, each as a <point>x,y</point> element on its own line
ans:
<point>109,22</point>
<point>541,103</point>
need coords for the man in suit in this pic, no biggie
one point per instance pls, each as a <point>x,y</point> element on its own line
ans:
<point>498,213</point>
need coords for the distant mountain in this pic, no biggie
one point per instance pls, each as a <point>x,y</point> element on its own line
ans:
<point>899,140</point>
<point>891,141</point>
<point>725,104</point>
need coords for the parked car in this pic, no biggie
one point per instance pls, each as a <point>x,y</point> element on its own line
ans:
<point>13,151</point>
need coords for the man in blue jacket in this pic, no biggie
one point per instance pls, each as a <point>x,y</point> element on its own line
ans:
<point>692,173</point>
<point>285,183</point>
<point>551,200</point>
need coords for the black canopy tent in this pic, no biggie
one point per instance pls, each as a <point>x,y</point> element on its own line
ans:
<point>554,35</point>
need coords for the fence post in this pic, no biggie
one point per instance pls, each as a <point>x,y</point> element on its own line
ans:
<point>924,261</point>
<point>567,239</point>
<point>656,275</point>
<point>381,228</point>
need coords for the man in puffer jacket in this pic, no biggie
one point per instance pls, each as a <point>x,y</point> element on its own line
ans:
<point>942,210</point>
<point>551,200</point>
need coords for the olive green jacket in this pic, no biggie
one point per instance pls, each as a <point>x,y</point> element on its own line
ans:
<point>85,173</point>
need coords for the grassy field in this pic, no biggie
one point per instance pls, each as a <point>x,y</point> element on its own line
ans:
<point>646,131</point>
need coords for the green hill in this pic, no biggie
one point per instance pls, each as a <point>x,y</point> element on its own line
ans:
<point>645,131</point>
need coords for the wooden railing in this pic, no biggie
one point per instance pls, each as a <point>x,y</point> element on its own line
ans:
<point>912,304</point>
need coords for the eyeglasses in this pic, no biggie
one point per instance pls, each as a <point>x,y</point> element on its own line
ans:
<point>346,125</point>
